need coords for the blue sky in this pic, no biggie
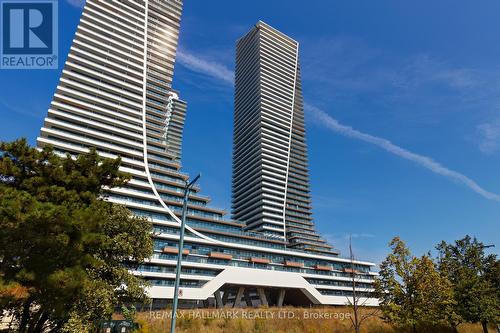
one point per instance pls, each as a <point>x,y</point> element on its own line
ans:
<point>403,111</point>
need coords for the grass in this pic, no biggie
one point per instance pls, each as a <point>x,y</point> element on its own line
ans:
<point>274,320</point>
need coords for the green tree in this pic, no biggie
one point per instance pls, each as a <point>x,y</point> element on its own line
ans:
<point>475,277</point>
<point>65,253</point>
<point>412,292</point>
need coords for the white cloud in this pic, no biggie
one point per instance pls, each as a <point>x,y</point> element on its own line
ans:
<point>345,73</point>
<point>424,161</point>
<point>457,78</point>
<point>346,65</point>
<point>203,66</point>
<point>223,73</point>
<point>26,110</point>
<point>422,69</point>
<point>489,136</point>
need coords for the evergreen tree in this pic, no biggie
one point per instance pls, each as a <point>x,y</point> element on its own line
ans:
<point>65,252</point>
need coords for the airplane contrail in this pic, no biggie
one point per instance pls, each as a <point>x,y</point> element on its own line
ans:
<point>424,161</point>
<point>221,72</point>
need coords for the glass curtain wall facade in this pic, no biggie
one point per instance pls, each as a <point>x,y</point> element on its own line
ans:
<point>271,190</point>
<point>115,94</point>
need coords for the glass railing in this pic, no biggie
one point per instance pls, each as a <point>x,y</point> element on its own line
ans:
<point>337,283</point>
<point>183,283</point>
<point>154,86</point>
<point>155,148</point>
<point>206,260</point>
<point>159,166</point>
<point>156,216</point>
<point>152,78</point>
<point>171,269</point>
<point>134,200</point>
<point>169,188</point>
<point>168,197</point>
<point>156,112</point>
<point>172,179</point>
<point>154,139</point>
<point>155,102</point>
<point>156,94</point>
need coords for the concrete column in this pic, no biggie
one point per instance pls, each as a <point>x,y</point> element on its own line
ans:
<point>262,296</point>
<point>218,299</point>
<point>225,297</point>
<point>281,297</point>
<point>248,300</point>
<point>239,294</point>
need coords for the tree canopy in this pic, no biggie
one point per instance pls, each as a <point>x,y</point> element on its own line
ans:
<point>65,253</point>
<point>475,277</point>
<point>412,292</point>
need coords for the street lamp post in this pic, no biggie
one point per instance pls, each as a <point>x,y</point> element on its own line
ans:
<point>179,254</point>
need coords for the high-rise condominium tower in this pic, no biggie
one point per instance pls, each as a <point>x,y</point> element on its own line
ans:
<point>270,171</point>
<point>115,94</point>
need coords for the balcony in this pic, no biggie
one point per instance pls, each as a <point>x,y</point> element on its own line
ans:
<point>323,268</point>
<point>293,264</point>
<point>220,255</point>
<point>256,260</point>
<point>174,250</point>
